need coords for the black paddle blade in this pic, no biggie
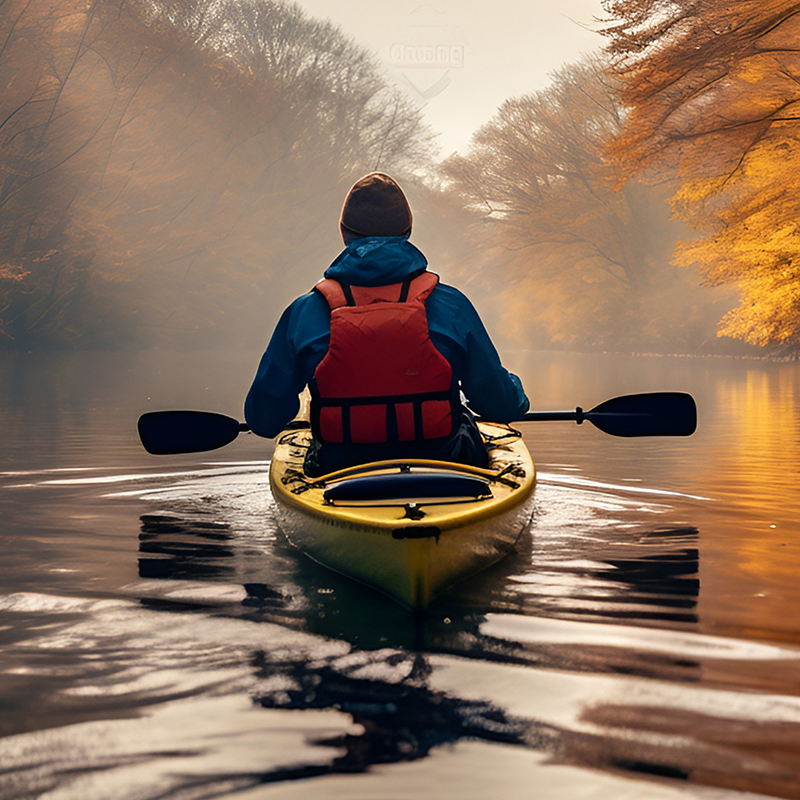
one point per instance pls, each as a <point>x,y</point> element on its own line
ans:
<point>169,432</point>
<point>655,414</point>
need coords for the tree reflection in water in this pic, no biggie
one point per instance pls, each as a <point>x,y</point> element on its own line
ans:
<point>383,683</point>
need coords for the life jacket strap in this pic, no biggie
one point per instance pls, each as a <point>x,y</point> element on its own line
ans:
<point>416,286</point>
<point>384,419</point>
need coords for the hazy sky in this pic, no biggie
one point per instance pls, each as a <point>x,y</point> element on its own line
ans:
<point>460,59</point>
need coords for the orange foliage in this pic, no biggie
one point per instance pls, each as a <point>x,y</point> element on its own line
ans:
<point>714,93</point>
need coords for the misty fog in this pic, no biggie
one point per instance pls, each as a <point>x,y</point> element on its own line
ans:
<point>174,174</point>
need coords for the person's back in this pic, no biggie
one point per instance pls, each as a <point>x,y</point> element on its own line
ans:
<point>385,349</point>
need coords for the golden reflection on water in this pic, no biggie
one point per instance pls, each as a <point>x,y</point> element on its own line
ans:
<point>755,455</point>
<point>745,454</point>
<point>752,468</point>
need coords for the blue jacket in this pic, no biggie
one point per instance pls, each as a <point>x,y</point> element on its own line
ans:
<point>301,338</point>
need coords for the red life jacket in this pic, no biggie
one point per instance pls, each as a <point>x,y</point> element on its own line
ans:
<point>382,379</point>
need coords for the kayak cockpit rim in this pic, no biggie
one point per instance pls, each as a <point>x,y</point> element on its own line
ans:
<point>404,486</point>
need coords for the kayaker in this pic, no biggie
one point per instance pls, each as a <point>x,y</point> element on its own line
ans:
<point>385,349</point>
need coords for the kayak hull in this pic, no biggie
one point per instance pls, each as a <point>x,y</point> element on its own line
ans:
<point>409,547</point>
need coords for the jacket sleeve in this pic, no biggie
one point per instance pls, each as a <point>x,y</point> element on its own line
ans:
<point>492,391</point>
<point>298,344</point>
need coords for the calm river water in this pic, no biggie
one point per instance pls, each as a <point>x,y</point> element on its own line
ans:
<point>160,639</point>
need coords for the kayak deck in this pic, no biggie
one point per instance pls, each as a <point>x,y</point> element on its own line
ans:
<point>408,528</point>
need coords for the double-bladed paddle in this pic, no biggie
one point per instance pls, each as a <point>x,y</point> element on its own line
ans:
<point>653,414</point>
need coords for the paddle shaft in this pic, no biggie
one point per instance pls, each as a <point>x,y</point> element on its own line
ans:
<point>554,416</point>
<point>578,415</point>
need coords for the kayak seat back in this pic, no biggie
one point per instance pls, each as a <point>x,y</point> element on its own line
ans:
<point>407,486</point>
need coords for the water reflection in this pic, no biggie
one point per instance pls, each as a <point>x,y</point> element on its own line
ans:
<point>194,549</point>
<point>197,670</point>
<point>759,418</point>
<point>388,695</point>
<point>650,579</point>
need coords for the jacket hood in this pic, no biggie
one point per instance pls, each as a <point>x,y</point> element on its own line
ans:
<point>377,261</point>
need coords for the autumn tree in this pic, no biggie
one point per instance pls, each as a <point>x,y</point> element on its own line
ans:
<point>585,265</point>
<point>170,172</point>
<point>713,90</point>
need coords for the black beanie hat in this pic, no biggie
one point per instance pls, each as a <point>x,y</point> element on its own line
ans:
<point>376,206</point>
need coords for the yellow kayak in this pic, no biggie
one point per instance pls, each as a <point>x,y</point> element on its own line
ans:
<point>412,528</point>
